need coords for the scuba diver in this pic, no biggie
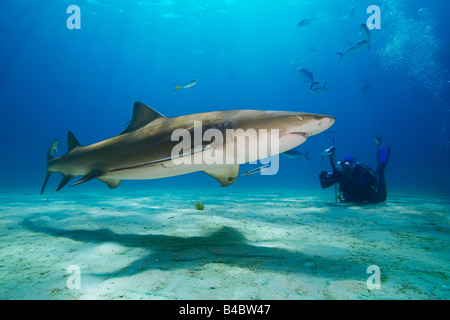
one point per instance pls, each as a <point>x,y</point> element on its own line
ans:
<point>357,182</point>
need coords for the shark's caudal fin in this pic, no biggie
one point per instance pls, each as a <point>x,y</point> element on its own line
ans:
<point>50,153</point>
<point>306,156</point>
<point>72,143</point>
<point>341,55</point>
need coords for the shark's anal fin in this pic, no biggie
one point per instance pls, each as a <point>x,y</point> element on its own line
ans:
<point>91,175</point>
<point>66,178</point>
<point>225,175</point>
<point>142,115</point>
<point>111,182</point>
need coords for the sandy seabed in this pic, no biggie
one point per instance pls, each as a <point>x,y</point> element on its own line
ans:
<point>278,244</point>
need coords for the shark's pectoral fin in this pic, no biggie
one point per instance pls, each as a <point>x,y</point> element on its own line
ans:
<point>142,115</point>
<point>91,175</point>
<point>66,178</point>
<point>225,175</point>
<point>111,182</point>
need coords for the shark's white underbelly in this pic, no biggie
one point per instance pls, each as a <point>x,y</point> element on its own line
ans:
<point>157,171</point>
<point>206,160</point>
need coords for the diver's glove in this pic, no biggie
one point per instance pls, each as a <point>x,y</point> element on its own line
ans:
<point>329,152</point>
<point>326,179</point>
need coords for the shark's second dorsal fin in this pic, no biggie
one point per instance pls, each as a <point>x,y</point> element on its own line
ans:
<point>72,142</point>
<point>142,115</point>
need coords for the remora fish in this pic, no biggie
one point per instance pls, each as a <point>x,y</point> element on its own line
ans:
<point>186,85</point>
<point>354,47</point>
<point>316,89</point>
<point>295,154</point>
<point>294,64</point>
<point>377,139</point>
<point>306,21</point>
<point>366,88</point>
<point>307,76</point>
<point>145,149</point>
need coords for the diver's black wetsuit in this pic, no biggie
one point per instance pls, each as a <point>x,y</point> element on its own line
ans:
<point>360,185</point>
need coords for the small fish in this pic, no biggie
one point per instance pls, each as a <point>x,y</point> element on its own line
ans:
<point>377,139</point>
<point>306,21</point>
<point>351,13</point>
<point>294,154</point>
<point>366,88</point>
<point>186,85</point>
<point>294,64</point>
<point>332,134</point>
<point>316,89</point>
<point>306,75</point>
<point>366,33</point>
<point>354,48</point>
<point>314,49</point>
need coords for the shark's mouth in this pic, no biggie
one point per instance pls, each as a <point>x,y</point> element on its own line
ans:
<point>304,134</point>
<point>292,140</point>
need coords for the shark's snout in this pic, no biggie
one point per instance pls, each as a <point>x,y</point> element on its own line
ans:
<point>325,122</point>
<point>312,124</point>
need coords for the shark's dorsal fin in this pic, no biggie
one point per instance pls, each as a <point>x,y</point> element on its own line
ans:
<point>72,142</point>
<point>225,175</point>
<point>142,115</point>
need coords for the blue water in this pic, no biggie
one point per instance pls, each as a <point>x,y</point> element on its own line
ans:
<point>53,79</point>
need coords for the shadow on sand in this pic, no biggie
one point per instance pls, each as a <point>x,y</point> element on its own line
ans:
<point>227,246</point>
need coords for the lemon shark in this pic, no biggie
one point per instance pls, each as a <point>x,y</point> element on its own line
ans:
<point>145,150</point>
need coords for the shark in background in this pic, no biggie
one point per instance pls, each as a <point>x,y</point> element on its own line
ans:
<point>145,149</point>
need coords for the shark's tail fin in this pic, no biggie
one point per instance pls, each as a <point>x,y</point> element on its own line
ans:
<point>341,55</point>
<point>306,156</point>
<point>177,87</point>
<point>312,85</point>
<point>50,153</point>
<point>325,87</point>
